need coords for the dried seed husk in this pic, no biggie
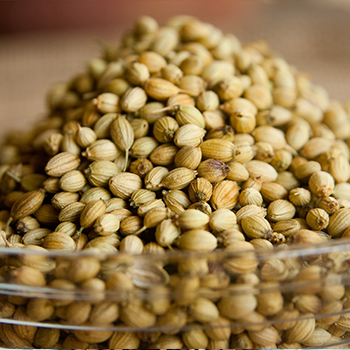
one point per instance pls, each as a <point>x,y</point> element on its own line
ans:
<point>270,299</point>
<point>27,204</point>
<point>124,184</point>
<point>280,210</point>
<point>92,336</point>
<point>141,167</point>
<point>225,195</point>
<point>11,339</point>
<point>69,144</point>
<point>104,313</point>
<point>31,182</point>
<point>143,147</point>
<point>195,338</point>
<point>287,180</point>
<point>189,135</point>
<point>264,171</point>
<point>288,313</point>
<point>241,302</point>
<point>189,157</point>
<point>46,338</point>
<point>140,126</point>
<point>152,111</point>
<point>256,227</point>
<point>61,199</point>
<point>101,150</point>
<point>242,263</point>
<point>91,212</point>
<point>25,332</point>
<point>84,269</point>
<point>287,227</point>
<point>333,308</point>
<point>242,341</point>
<point>47,215</point>
<point>222,150</point>
<point>229,236</point>
<point>250,210</point>
<point>300,196</point>
<point>200,189</point>
<point>36,236</point>
<point>189,115</point>
<point>40,309</point>
<point>266,336</point>
<point>237,172</point>
<point>172,73</point>
<point>124,340</point>
<point>304,236</point>
<point>321,184</point>
<point>164,155</point>
<point>178,178</point>
<point>166,233</point>
<point>137,73</point>
<point>318,337</point>
<point>67,227</point>
<point>164,129</point>
<point>225,132</point>
<point>250,196</point>
<point>160,89</point>
<point>132,100</point>
<point>58,241</point>
<point>317,219</point>
<point>28,276</point>
<point>302,330</point>
<point>339,222</point>
<point>192,219</point>
<point>61,164</point>
<point>141,196</point>
<point>144,208</point>
<point>264,152</point>
<point>131,225</point>
<point>131,244</point>
<point>214,170</point>
<point>154,178</point>
<point>199,240</point>
<point>203,310</point>
<point>100,172</point>
<point>73,181</point>
<point>134,314</point>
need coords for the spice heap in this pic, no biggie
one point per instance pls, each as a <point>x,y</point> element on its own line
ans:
<point>179,138</point>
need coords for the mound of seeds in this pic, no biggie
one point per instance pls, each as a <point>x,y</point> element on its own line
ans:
<point>179,138</point>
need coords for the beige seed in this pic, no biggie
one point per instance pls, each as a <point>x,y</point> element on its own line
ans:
<point>198,240</point>
<point>101,150</point>
<point>189,157</point>
<point>192,219</point>
<point>280,209</point>
<point>200,189</point>
<point>27,204</point>
<point>160,89</point>
<point>133,99</point>
<point>61,164</point>
<point>124,184</point>
<point>213,170</point>
<point>225,195</point>
<point>59,241</point>
<point>178,178</point>
<point>189,135</point>
<point>223,150</point>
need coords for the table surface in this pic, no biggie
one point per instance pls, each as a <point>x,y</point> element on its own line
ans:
<point>311,34</point>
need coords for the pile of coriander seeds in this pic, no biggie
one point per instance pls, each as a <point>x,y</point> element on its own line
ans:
<point>180,138</point>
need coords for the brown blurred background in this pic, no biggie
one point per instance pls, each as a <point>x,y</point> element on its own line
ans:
<point>44,42</point>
